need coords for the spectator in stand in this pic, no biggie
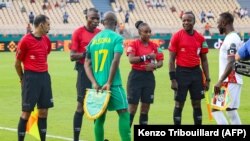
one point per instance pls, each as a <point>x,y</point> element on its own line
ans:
<point>203,17</point>
<point>236,12</point>
<point>242,13</point>
<point>49,7</point>
<point>62,4</point>
<point>157,4</point>
<point>23,9</point>
<point>207,29</point>
<point>127,17</point>
<point>148,3</point>
<point>44,7</point>
<point>131,5</point>
<point>210,15</point>
<point>32,1</point>
<point>162,3</point>
<point>121,28</point>
<point>28,29</point>
<point>173,9</point>
<point>246,12</point>
<point>56,4</point>
<point>181,14</point>
<point>31,18</point>
<point>65,17</point>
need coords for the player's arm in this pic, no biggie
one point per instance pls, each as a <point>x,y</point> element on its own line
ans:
<point>113,69</point>
<point>134,59</point>
<point>89,73</point>
<point>159,64</point>
<point>19,69</point>
<point>74,56</point>
<point>159,58</point>
<point>205,68</point>
<point>231,59</point>
<point>172,75</point>
<point>244,52</point>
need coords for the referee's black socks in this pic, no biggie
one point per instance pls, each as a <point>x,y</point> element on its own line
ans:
<point>77,125</point>
<point>21,129</point>
<point>143,119</point>
<point>42,127</point>
<point>197,115</point>
<point>177,116</point>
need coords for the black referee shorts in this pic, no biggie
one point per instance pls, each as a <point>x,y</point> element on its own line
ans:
<point>36,89</point>
<point>189,79</point>
<point>82,82</point>
<point>140,87</point>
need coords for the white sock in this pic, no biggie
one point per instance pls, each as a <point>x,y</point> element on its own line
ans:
<point>220,118</point>
<point>234,117</point>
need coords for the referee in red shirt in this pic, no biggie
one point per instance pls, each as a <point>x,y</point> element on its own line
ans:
<point>145,57</point>
<point>188,50</point>
<point>32,68</point>
<point>80,39</point>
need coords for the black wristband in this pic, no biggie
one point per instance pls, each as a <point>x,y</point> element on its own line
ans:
<point>172,75</point>
<point>142,58</point>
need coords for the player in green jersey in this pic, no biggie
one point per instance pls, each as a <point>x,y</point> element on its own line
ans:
<point>102,68</point>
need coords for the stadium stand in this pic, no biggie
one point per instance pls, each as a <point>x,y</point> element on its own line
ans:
<point>161,18</point>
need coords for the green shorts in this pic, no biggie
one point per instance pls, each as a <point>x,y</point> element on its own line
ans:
<point>118,99</point>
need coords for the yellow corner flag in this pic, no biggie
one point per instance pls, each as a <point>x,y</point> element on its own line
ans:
<point>210,117</point>
<point>32,127</point>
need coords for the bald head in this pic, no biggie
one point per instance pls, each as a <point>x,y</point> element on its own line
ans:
<point>110,19</point>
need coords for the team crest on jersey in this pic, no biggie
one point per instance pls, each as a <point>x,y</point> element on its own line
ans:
<point>129,49</point>
<point>204,45</point>
<point>159,50</point>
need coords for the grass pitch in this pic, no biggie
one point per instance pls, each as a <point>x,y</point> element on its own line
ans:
<point>60,118</point>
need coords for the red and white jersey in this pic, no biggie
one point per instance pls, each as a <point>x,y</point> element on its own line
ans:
<point>226,50</point>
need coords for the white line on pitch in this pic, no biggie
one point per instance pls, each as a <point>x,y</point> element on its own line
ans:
<point>49,136</point>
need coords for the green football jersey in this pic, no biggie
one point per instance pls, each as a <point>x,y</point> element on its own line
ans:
<point>101,50</point>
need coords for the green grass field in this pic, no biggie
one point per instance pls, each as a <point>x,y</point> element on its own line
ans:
<point>64,91</point>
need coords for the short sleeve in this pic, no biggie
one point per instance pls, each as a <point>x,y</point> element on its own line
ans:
<point>119,45</point>
<point>21,50</point>
<point>74,41</point>
<point>173,43</point>
<point>159,53</point>
<point>204,47</point>
<point>131,48</point>
<point>48,43</point>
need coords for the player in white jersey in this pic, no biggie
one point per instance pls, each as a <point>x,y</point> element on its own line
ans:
<point>227,76</point>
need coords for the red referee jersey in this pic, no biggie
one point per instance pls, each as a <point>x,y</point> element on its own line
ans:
<point>137,48</point>
<point>33,52</point>
<point>81,38</point>
<point>188,48</point>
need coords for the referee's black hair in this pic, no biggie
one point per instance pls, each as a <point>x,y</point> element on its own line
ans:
<point>228,17</point>
<point>40,19</point>
<point>93,10</point>
<point>191,13</point>
<point>140,23</point>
